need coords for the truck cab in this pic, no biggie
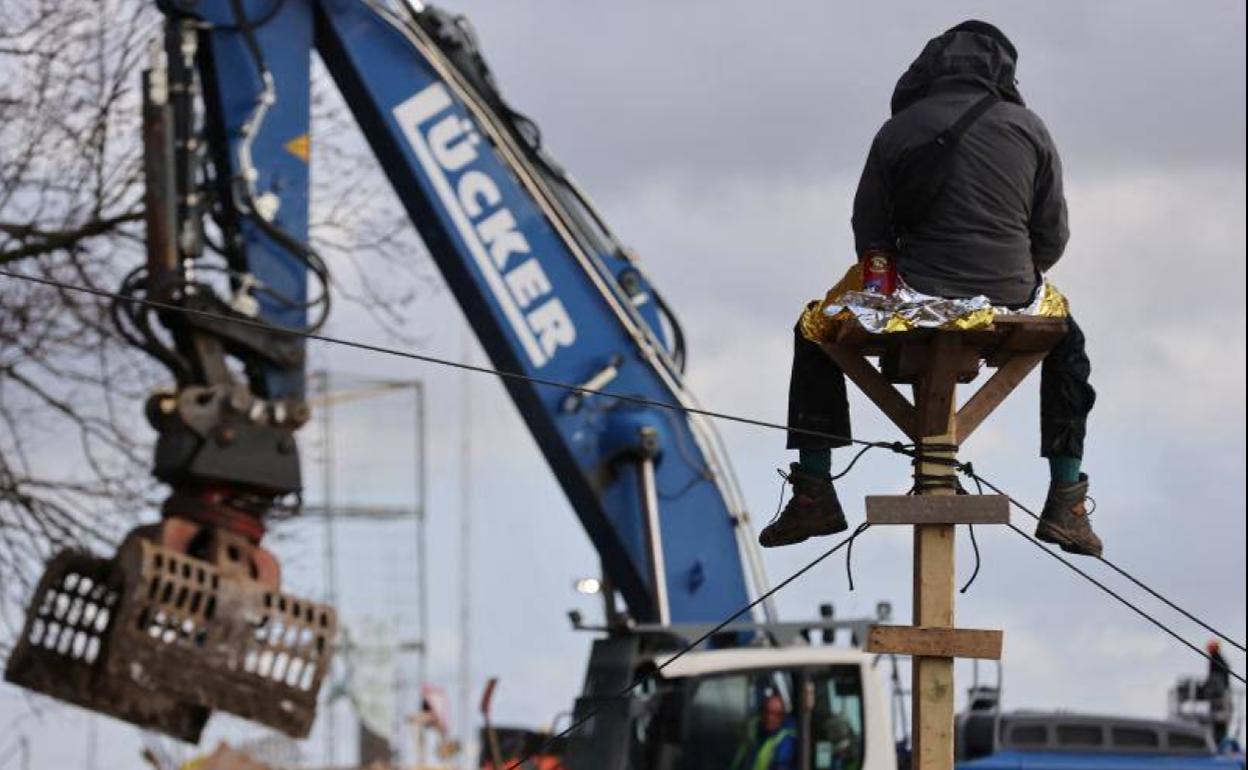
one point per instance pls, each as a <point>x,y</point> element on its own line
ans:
<point>704,709</point>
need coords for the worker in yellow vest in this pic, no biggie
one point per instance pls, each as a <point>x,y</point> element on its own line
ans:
<point>772,740</point>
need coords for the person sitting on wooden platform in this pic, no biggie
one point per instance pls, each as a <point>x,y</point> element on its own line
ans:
<point>962,192</point>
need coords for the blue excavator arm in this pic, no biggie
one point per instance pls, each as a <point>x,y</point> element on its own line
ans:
<point>548,290</point>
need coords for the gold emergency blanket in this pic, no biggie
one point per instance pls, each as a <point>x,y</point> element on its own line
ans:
<point>907,309</point>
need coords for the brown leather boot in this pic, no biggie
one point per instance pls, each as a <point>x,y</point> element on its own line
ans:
<point>813,510</point>
<point>1064,521</point>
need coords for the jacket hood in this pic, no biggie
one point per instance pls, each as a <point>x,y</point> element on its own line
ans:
<point>974,52</point>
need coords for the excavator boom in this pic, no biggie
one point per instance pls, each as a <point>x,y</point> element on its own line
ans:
<point>550,293</point>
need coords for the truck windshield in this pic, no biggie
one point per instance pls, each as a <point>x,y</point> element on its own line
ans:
<point>772,720</point>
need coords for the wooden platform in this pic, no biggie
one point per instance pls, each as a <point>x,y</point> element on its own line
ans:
<point>933,360</point>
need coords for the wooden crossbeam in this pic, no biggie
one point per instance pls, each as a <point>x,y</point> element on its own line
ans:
<point>926,642</point>
<point>938,509</point>
<point>1024,334</point>
<point>907,363</point>
<point>872,382</point>
<point>990,395</point>
<point>934,394</point>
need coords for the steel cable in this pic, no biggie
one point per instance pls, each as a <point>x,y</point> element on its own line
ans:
<point>895,446</point>
<point>848,540</point>
<point>1134,580</point>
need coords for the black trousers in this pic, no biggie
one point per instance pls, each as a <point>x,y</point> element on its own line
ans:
<point>818,401</point>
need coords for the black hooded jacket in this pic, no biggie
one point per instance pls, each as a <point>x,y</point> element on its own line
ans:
<point>1000,220</point>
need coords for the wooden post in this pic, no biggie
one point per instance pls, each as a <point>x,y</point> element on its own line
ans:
<point>933,361</point>
<point>932,677</point>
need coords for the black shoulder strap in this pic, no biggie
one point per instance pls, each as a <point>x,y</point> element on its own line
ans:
<point>922,174</point>
<point>952,134</point>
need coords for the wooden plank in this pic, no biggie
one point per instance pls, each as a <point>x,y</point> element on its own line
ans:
<point>872,383</point>
<point>1025,334</point>
<point>933,575</point>
<point>994,391</point>
<point>932,678</point>
<point>934,395</point>
<point>1037,324</point>
<point>906,363</point>
<point>938,509</point>
<point>978,643</point>
<point>932,722</point>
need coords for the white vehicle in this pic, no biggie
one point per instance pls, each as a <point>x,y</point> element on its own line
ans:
<point>703,710</point>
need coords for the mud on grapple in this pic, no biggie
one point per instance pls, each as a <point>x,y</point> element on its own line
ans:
<point>161,639</point>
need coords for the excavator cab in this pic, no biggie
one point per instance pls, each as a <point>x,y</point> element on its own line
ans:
<point>716,717</point>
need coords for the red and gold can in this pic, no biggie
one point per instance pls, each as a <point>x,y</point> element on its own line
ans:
<point>879,271</point>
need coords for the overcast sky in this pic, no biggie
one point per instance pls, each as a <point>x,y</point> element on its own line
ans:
<point>723,141</point>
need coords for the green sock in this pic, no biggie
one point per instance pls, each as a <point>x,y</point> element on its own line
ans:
<point>1065,470</point>
<point>817,462</point>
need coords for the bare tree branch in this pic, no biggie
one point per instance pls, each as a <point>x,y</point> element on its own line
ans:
<point>35,242</point>
<point>74,446</point>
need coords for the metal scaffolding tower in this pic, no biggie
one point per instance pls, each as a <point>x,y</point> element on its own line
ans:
<point>332,392</point>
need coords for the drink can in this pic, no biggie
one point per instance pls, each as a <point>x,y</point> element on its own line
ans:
<point>879,272</point>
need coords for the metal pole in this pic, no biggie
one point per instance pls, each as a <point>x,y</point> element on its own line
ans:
<point>422,574</point>
<point>806,707</point>
<point>654,537</point>
<point>331,577</point>
<point>465,556</point>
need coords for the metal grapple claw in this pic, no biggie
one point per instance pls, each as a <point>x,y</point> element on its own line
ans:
<point>69,626</point>
<point>160,639</point>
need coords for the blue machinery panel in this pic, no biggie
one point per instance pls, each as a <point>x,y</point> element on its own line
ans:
<point>542,301</point>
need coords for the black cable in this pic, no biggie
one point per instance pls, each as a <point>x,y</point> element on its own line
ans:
<point>849,553</point>
<point>896,446</point>
<point>1135,581</point>
<point>313,261</point>
<point>970,528</point>
<point>924,482</point>
<point>964,467</point>
<point>975,547</point>
<point>256,286</point>
<point>139,331</point>
<point>243,192</point>
<point>245,25</point>
<point>500,373</point>
<point>1123,600</point>
<point>688,648</point>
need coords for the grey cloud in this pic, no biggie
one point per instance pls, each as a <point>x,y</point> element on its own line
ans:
<point>624,90</point>
<point>723,140</point>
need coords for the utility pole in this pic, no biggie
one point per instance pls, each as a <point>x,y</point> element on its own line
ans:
<point>933,362</point>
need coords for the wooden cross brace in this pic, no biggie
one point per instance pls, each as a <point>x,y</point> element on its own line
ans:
<point>933,362</point>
